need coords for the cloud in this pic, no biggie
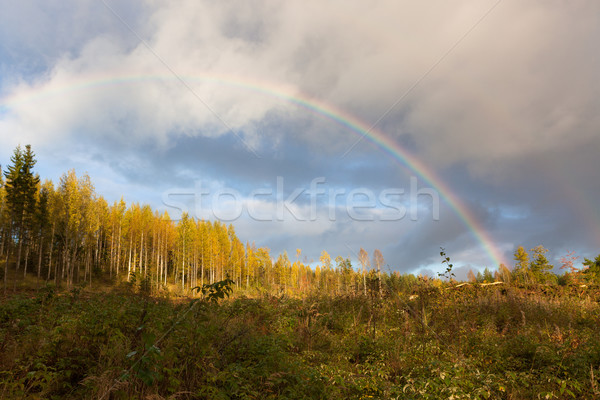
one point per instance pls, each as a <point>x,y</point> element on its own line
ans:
<point>503,109</point>
<point>520,86</point>
<point>507,90</point>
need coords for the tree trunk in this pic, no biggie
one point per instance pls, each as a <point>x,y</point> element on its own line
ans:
<point>18,260</point>
<point>118,251</point>
<point>3,239</point>
<point>142,254</point>
<point>364,281</point>
<point>111,264</point>
<point>8,249</point>
<point>183,263</point>
<point>51,251</point>
<point>26,261</point>
<point>129,263</point>
<point>40,256</point>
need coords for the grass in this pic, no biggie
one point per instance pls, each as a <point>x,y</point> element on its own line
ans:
<point>468,343</point>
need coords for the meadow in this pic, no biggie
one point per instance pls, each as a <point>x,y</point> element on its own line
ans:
<point>426,340</point>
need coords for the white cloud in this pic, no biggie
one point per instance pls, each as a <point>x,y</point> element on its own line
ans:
<point>523,81</point>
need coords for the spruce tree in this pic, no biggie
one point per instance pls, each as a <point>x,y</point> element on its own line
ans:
<point>21,186</point>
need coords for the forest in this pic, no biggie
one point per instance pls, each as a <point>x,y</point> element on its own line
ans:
<point>118,301</point>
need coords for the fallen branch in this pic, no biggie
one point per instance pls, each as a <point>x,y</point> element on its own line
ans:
<point>480,284</point>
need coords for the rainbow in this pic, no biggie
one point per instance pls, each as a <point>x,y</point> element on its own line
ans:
<point>291,95</point>
<point>427,174</point>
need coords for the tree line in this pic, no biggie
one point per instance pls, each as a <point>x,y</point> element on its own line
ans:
<point>68,234</point>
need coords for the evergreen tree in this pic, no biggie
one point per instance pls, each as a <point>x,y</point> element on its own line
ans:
<point>521,270</point>
<point>479,277</point>
<point>344,267</point>
<point>487,275</point>
<point>593,268</point>
<point>21,186</point>
<point>540,267</point>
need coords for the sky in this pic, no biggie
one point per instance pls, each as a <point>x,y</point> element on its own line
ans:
<point>394,125</point>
